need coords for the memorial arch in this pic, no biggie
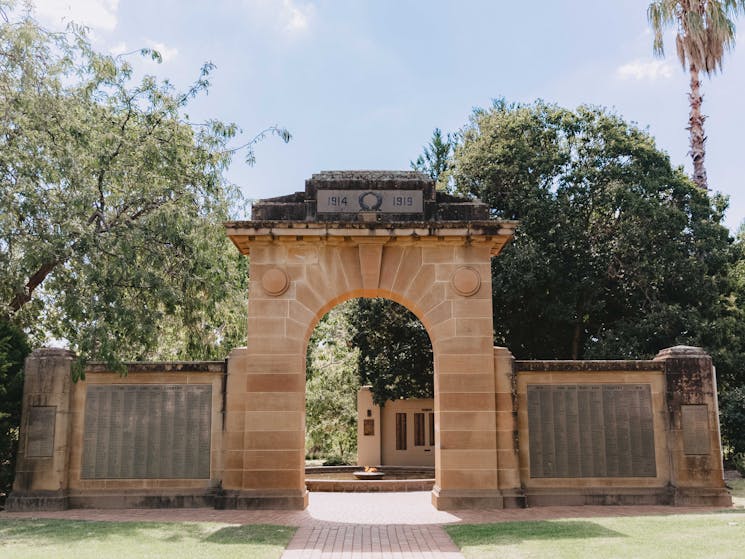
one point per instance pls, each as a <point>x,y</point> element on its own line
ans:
<point>508,433</point>
<point>364,234</point>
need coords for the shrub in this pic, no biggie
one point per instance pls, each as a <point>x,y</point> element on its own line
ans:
<point>335,461</point>
<point>732,420</point>
<point>739,462</point>
<point>13,351</point>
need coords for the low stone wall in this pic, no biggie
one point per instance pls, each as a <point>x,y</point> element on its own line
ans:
<point>567,433</point>
<point>613,432</point>
<point>369,486</point>
<point>151,438</point>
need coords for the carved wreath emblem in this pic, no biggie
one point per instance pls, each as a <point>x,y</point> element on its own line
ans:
<point>370,201</point>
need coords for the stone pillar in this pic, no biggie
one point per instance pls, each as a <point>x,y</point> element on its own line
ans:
<point>264,439</point>
<point>694,444</point>
<point>462,341</point>
<point>369,429</point>
<point>41,480</point>
<point>508,460</point>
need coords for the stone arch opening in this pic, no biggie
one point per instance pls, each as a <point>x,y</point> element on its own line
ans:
<point>370,365</point>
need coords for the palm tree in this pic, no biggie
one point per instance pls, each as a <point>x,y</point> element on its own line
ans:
<point>705,30</point>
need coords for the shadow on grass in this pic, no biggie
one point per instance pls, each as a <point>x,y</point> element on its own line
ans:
<point>49,532</point>
<point>507,533</point>
<point>254,533</point>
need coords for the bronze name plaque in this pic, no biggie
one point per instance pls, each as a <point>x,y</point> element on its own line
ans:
<point>694,421</point>
<point>147,431</point>
<point>591,430</point>
<point>40,433</point>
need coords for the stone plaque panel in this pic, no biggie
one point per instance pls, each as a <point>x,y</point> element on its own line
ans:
<point>355,201</point>
<point>40,431</point>
<point>583,430</point>
<point>695,425</point>
<point>147,431</point>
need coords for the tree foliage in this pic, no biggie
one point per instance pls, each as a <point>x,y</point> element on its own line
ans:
<point>732,414</point>
<point>617,254</point>
<point>332,382</point>
<point>112,203</point>
<point>436,158</point>
<point>395,352</point>
<point>13,350</point>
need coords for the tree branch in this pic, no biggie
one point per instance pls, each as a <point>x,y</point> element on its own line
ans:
<point>33,282</point>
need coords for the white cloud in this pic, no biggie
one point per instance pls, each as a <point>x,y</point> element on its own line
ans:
<point>166,52</point>
<point>645,70</point>
<point>119,48</point>
<point>295,18</point>
<point>291,17</point>
<point>96,14</point>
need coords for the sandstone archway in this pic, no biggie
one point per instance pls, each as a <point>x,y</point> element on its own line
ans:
<point>393,237</point>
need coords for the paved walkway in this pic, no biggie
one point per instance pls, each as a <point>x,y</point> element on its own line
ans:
<point>363,525</point>
<point>365,541</point>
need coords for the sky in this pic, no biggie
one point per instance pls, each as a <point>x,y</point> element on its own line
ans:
<point>361,84</point>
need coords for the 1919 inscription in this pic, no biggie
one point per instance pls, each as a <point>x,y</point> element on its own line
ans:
<point>603,430</point>
<point>147,431</point>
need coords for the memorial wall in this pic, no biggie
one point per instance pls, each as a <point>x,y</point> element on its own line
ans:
<point>568,432</point>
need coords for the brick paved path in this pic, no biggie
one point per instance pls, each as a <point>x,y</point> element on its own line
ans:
<point>363,525</point>
<point>365,541</point>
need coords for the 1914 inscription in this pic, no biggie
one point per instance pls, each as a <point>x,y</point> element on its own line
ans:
<point>147,431</point>
<point>583,430</point>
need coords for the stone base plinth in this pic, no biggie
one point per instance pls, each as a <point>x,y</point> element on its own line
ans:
<point>454,499</point>
<point>31,501</point>
<point>601,496</point>
<point>252,500</point>
<point>702,497</point>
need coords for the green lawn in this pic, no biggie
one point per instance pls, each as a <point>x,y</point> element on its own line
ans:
<point>716,535</point>
<point>79,539</point>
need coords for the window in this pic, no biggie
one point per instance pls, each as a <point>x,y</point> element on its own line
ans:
<point>400,431</point>
<point>431,429</point>
<point>419,429</point>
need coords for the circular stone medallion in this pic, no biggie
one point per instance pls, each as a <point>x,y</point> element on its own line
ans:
<point>466,281</point>
<point>275,281</point>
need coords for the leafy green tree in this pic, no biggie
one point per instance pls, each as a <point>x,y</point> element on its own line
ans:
<point>705,30</point>
<point>112,203</point>
<point>617,254</point>
<point>395,352</point>
<point>436,158</point>
<point>13,351</point>
<point>332,382</point>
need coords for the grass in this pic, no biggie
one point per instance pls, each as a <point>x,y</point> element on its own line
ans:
<point>719,535</point>
<point>80,539</point>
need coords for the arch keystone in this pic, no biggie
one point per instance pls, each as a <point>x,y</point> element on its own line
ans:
<point>371,256</point>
